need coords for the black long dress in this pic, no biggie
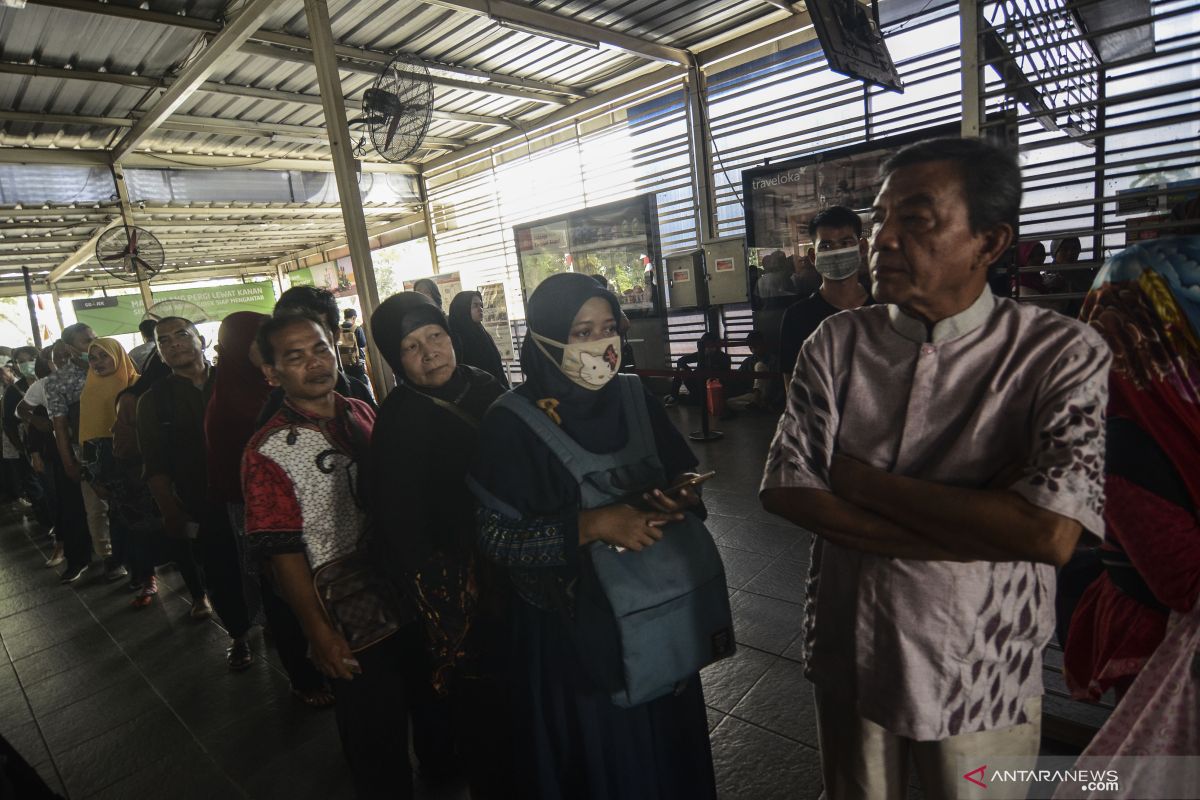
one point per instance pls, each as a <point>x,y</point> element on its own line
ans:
<point>572,742</point>
<point>423,525</point>
<point>472,344</point>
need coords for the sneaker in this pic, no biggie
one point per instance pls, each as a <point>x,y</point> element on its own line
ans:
<point>670,400</point>
<point>114,571</point>
<point>146,596</point>
<point>134,585</point>
<point>56,557</point>
<point>74,573</point>
<point>239,656</point>
<point>201,609</point>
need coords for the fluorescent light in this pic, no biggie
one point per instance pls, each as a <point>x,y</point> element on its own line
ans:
<point>549,34</point>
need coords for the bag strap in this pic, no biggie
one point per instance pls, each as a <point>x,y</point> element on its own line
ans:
<point>561,445</point>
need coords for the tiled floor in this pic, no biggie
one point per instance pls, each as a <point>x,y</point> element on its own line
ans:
<point>112,703</point>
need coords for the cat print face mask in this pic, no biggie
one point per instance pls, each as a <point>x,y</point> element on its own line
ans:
<point>588,364</point>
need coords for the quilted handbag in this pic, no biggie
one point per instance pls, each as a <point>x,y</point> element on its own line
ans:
<point>361,604</point>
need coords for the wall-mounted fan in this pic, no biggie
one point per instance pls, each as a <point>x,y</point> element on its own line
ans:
<point>397,109</point>
<point>176,308</point>
<point>123,250</point>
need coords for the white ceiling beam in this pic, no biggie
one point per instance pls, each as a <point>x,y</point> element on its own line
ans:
<point>290,40</point>
<point>380,58</point>
<point>81,254</point>
<point>382,229</point>
<point>216,126</point>
<point>547,24</point>
<point>305,57</point>
<point>100,158</point>
<point>212,87</point>
<point>196,73</point>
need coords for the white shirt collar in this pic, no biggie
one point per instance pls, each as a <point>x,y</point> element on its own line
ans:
<point>947,329</point>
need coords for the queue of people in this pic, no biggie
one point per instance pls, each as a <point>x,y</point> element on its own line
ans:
<point>423,564</point>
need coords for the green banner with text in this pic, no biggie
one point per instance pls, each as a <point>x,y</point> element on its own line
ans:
<point>109,316</point>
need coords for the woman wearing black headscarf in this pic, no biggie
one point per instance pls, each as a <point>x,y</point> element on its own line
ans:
<point>424,440</point>
<point>473,345</point>
<point>429,288</point>
<point>572,741</point>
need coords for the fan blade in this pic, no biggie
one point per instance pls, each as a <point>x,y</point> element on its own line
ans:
<point>391,133</point>
<point>374,119</point>
<point>133,241</point>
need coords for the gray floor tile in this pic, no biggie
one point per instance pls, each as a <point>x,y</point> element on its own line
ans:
<point>123,750</point>
<point>727,681</point>
<point>30,598</point>
<point>92,716</point>
<point>90,676</point>
<point>765,623</point>
<point>741,565</point>
<point>65,610</point>
<point>26,739</point>
<point>782,579</point>
<point>755,764</point>
<point>34,640</point>
<point>758,537</point>
<point>782,702</point>
<point>91,644</point>
<point>714,718</point>
<point>188,775</point>
<point>49,774</point>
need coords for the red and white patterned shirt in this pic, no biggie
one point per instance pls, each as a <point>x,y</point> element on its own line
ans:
<point>300,481</point>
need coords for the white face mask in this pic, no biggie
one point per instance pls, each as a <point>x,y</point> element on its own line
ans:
<point>588,364</point>
<point>838,265</point>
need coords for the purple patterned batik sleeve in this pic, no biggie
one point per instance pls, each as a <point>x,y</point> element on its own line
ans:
<point>800,453</point>
<point>1066,470</point>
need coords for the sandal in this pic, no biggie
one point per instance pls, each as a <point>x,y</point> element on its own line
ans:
<point>314,698</point>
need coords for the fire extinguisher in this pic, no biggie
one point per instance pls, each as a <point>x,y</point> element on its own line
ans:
<point>716,397</point>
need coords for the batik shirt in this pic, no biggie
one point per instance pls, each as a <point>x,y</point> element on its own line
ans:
<point>300,481</point>
<point>64,388</point>
<point>931,649</point>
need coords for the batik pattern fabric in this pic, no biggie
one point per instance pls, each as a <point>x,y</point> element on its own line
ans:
<point>997,385</point>
<point>1146,303</point>
<point>299,477</point>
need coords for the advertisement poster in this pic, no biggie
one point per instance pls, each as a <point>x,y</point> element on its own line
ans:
<point>112,316</point>
<point>448,284</point>
<point>336,276</point>
<point>495,318</point>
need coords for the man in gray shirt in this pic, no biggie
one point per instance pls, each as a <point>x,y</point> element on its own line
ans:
<point>947,449</point>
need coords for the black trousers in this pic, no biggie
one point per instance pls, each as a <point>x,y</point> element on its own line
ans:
<point>70,520</point>
<point>222,569</point>
<point>372,718</point>
<point>289,640</point>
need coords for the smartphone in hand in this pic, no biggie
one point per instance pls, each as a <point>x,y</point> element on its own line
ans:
<point>689,483</point>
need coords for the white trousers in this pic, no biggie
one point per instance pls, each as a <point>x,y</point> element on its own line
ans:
<point>862,761</point>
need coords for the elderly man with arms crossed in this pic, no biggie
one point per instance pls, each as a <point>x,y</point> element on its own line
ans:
<point>947,449</point>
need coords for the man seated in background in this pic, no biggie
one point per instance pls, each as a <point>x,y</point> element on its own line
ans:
<point>708,356</point>
<point>761,389</point>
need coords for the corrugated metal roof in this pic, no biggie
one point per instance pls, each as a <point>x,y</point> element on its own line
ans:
<point>289,122</point>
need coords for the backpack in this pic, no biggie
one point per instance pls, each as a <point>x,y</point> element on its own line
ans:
<point>348,346</point>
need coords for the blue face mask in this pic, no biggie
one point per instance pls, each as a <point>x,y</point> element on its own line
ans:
<point>28,369</point>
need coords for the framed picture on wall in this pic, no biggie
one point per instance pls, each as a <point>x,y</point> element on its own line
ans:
<point>616,242</point>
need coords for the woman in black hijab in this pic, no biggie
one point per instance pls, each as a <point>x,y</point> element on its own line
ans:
<point>572,741</point>
<point>472,344</point>
<point>424,440</point>
<point>429,288</point>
